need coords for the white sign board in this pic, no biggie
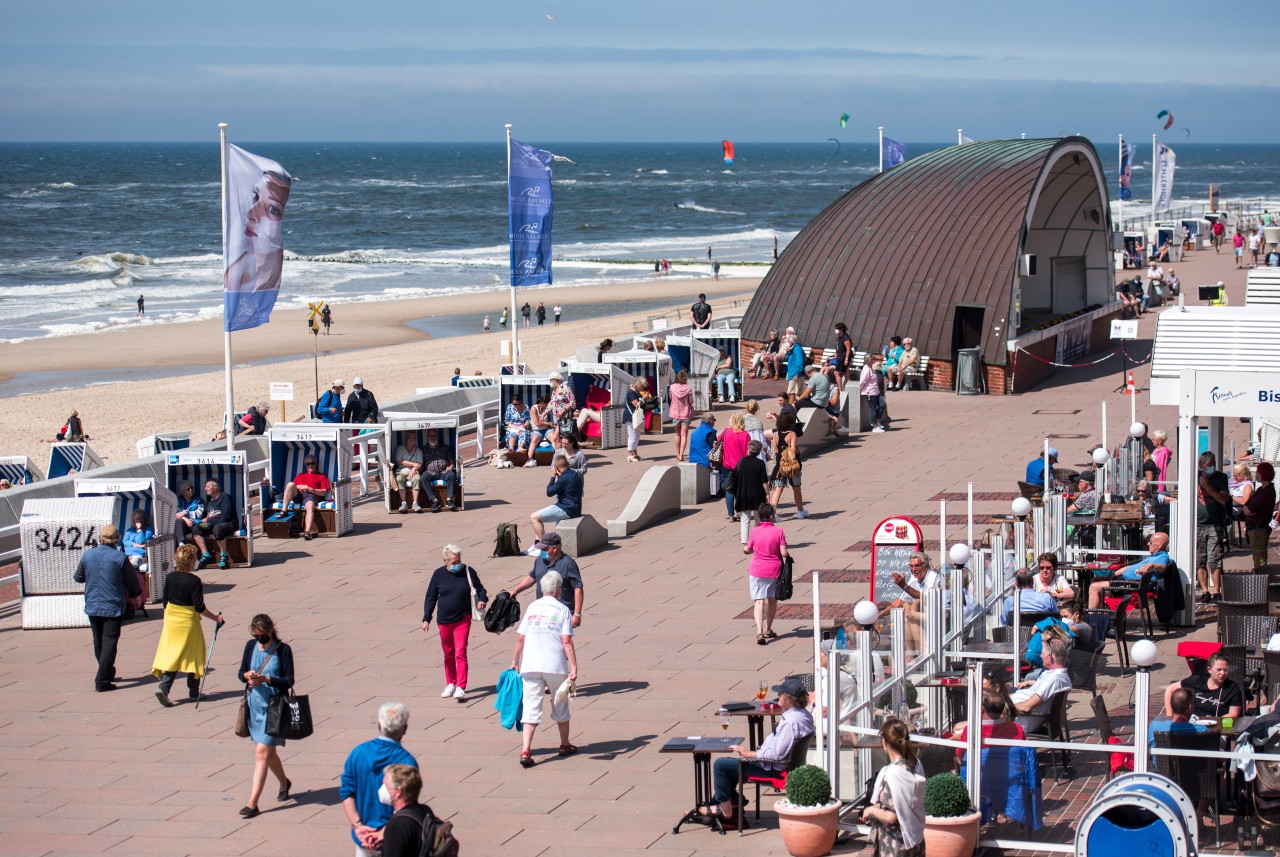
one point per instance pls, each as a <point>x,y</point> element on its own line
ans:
<point>1233,394</point>
<point>659,323</point>
<point>1124,329</point>
<point>234,458</point>
<point>282,391</point>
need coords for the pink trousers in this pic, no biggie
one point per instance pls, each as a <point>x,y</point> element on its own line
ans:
<point>453,639</point>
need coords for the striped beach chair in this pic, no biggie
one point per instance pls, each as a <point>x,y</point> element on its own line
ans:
<point>654,367</point>
<point>399,425</point>
<point>19,470</point>
<point>601,387</point>
<point>55,533</point>
<point>160,506</point>
<point>291,444</point>
<point>159,444</point>
<point>67,457</point>
<point>232,472</point>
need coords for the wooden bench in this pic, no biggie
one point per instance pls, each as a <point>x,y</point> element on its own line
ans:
<point>918,372</point>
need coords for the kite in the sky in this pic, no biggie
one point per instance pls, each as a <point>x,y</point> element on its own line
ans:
<point>837,142</point>
<point>550,18</point>
<point>728,151</point>
<point>1168,122</point>
<point>1188,130</point>
<point>844,120</point>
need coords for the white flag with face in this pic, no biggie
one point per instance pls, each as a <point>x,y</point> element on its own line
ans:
<point>253,246</point>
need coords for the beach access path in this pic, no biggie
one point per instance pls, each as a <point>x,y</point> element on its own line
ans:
<point>665,640</point>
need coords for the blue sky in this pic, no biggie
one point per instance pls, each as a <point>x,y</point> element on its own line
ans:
<point>392,70</point>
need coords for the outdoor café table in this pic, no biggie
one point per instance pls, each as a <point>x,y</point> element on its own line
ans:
<point>989,650</point>
<point>700,749</point>
<point>755,719</point>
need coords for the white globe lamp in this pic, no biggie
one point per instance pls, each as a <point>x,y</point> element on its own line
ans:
<point>1143,653</point>
<point>959,554</point>
<point>1137,430</point>
<point>1021,506</point>
<point>865,613</point>
<point>1101,456</point>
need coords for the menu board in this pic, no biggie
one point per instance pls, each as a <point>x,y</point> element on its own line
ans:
<point>892,544</point>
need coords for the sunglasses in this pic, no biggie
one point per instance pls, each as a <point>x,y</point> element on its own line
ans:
<point>309,463</point>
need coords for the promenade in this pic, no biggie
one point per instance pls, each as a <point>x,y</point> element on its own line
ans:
<point>665,639</point>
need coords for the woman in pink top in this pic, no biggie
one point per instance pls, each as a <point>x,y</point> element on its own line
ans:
<point>1161,455</point>
<point>767,546</point>
<point>680,395</point>
<point>734,439</point>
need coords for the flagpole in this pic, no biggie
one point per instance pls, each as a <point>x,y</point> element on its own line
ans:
<point>881,148</point>
<point>515,326</point>
<point>226,334</point>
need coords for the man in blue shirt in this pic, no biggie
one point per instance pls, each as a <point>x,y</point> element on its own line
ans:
<point>108,581</point>
<point>329,407</point>
<point>1032,601</point>
<point>1180,704</point>
<point>566,487</point>
<point>1158,544</point>
<point>362,778</point>
<point>1035,468</point>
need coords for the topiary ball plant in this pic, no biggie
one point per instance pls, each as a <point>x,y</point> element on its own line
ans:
<point>808,785</point>
<point>946,796</point>
<point>912,696</point>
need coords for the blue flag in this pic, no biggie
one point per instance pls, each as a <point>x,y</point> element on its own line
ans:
<point>529,214</point>
<point>892,153</point>
<point>1127,151</point>
<point>253,246</point>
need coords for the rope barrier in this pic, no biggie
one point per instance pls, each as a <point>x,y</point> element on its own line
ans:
<point>1109,354</point>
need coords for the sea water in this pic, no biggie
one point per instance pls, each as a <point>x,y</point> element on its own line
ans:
<point>86,228</point>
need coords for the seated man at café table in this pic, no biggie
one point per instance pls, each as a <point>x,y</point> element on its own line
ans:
<point>1213,694</point>
<point>922,577</point>
<point>852,688</point>
<point>1035,469</point>
<point>1181,706</point>
<point>1086,502</point>
<point>1158,559</point>
<point>795,724</point>
<point>440,466</point>
<point>1050,580</point>
<point>311,488</point>
<point>1032,601</point>
<point>1033,699</point>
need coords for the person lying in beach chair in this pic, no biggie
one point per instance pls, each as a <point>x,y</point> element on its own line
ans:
<point>311,488</point>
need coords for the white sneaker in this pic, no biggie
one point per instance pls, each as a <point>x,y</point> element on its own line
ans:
<point>533,551</point>
<point>878,430</point>
<point>460,694</point>
<point>531,462</point>
<point>842,431</point>
<point>803,513</point>
<point>416,507</point>
<point>448,691</point>
<point>404,507</point>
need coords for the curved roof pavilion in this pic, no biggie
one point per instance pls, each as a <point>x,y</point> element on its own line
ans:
<point>930,249</point>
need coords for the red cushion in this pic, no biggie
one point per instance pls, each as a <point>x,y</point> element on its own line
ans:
<point>592,429</point>
<point>777,781</point>
<point>1197,648</point>
<point>597,398</point>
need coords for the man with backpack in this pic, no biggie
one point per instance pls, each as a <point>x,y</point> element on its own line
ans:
<point>329,406</point>
<point>413,830</point>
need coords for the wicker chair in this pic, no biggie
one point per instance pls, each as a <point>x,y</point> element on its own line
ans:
<point>1247,630</point>
<point>1271,663</point>
<point>1247,587</point>
<point>1055,728</point>
<point>1197,776</point>
<point>1228,610</point>
<point>1105,732</point>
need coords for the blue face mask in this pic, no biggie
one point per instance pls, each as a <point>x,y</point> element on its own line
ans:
<point>456,567</point>
<point>544,554</point>
<point>1209,468</point>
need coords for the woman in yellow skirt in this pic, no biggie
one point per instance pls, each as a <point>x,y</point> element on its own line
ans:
<point>181,647</point>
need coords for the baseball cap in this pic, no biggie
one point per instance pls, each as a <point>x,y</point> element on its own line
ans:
<point>791,687</point>
<point>548,540</point>
<point>1087,476</point>
<point>357,381</point>
<point>1053,451</point>
<point>337,382</point>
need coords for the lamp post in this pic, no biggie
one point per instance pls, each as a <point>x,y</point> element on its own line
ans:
<point>865,614</point>
<point>1143,655</point>
<point>1021,507</point>
<point>1100,458</point>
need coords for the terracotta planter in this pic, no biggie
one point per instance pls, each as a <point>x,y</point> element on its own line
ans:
<point>951,837</point>
<point>807,831</point>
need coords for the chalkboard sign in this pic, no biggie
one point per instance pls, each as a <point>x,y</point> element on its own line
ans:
<point>892,544</point>
<point>888,561</point>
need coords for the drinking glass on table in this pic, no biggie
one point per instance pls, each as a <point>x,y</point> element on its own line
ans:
<point>762,692</point>
<point>724,721</point>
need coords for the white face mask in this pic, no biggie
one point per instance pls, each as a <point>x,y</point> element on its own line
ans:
<point>384,795</point>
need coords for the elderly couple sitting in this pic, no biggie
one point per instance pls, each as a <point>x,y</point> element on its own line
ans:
<point>436,462</point>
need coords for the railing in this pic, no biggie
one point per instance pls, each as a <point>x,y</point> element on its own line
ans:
<point>677,315</point>
<point>1236,208</point>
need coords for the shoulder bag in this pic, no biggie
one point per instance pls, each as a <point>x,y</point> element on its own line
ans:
<point>786,585</point>
<point>716,455</point>
<point>476,613</point>
<point>289,716</point>
<point>242,713</point>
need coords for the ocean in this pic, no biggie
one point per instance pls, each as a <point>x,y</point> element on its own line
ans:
<point>86,228</point>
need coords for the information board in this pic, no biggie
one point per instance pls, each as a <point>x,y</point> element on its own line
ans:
<point>892,544</point>
<point>282,391</point>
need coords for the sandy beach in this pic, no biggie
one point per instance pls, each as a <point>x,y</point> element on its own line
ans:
<point>368,339</point>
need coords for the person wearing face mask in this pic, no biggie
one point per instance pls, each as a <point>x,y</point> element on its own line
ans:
<point>439,466</point>
<point>401,786</point>
<point>451,587</point>
<point>366,804</point>
<point>1213,507</point>
<point>551,557</point>
<point>266,668</point>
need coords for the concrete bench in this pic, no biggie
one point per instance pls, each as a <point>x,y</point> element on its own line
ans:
<point>815,421</point>
<point>581,536</point>
<point>656,498</point>
<point>695,484</point>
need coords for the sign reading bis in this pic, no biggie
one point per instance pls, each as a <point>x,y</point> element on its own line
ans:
<point>1233,394</point>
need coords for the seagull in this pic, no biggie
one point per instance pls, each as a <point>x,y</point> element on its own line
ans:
<point>550,17</point>
<point>563,158</point>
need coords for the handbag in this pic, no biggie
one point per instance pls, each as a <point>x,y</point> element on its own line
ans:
<point>567,425</point>
<point>785,586</point>
<point>476,613</point>
<point>289,716</point>
<point>637,416</point>
<point>242,713</point>
<point>716,455</point>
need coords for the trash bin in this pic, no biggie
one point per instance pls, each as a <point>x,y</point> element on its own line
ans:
<point>1139,814</point>
<point>969,376</point>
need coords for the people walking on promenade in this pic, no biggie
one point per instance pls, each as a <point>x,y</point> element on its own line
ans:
<point>181,647</point>
<point>362,778</point>
<point>545,657</point>
<point>109,580</point>
<point>266,668</point>
<point>455,589</point>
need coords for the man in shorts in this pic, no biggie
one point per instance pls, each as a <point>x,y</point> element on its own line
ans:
<point>1213,506</point>
<point>566,487</point>
<point>818,394</point>
<point>311,488</point>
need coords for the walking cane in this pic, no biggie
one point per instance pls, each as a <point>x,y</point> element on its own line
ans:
<point>208,661</point>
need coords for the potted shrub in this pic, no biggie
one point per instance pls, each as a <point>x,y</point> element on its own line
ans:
<point>950,822</point>
<point>807,816</point>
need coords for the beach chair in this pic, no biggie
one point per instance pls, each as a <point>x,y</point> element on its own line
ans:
<point>160,506</point>
<point>232,472</point>
<point>290,444</point>
<point>654,367</point>
<point>68,457</point>
<point>54,534</point>
<point>395,430</point>
<point>601,387</point>
<point>159,444</point>
<point>19,470</point>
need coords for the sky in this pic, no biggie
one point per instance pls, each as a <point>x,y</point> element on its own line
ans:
<point>652,70</point>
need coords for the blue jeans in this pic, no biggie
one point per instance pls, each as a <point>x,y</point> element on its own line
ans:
<point>448,477</point>
<point>732,380</point>
<point>728,495</point>
<point>724,773</point>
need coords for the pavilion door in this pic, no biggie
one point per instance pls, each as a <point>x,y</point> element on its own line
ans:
<point>1068,286</point>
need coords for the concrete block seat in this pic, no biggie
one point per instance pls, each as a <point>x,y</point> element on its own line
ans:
<point>695,483</point>
<point>656,498</point>
<point>581,536</point>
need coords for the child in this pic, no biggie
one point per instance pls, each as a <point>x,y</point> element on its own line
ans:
<point>486,324</point>
<point>135,540</point>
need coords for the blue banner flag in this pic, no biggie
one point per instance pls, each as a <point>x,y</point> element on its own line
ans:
<point>253,246</point>
<point>529,214</point>
<point>1127,151</point>
<point>892,153</point>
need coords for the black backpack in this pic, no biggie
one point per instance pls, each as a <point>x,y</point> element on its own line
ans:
<point>437,837</point>
<point>507,540</point>
<point>786,585</point>
<point>503,612</point>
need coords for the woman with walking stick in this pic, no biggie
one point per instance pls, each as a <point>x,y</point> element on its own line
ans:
<point>266,669</point>
<point>181,646</point>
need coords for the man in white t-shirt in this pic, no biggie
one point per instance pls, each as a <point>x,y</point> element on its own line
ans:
<point>922,577</point>
<point>1034,699</point>
<point>545,657</point>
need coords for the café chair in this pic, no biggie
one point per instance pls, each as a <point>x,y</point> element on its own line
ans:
<point>1116,761</point>
<point>1241,587</point>
<point>1248,630</point>
<point>776,781</point>
<point>1082,666</point>
<point>1229,611</point>
<point>1196,776</point>
<point>1055,729</point>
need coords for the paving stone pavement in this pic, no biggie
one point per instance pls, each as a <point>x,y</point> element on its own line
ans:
<point>666,638</point>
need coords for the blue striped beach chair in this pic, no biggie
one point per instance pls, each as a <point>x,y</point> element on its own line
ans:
<point>67,457</point>
<point>290,444</point>
<point>232,472</point>
<point>160,506</point>
<point>654,367</point>
<point>601,387</point>
<point>19,470</point>
<point>397,426</point>
<point>160,444</point>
